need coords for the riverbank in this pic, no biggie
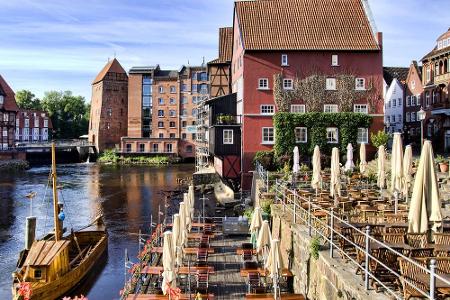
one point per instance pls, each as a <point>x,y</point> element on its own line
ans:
<point>14,165</point>
<point>110,157</point>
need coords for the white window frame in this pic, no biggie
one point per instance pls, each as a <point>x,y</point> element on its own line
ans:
<point>427,99</point>
<point>418,100</point>
<point>288,84</point>
<point>394,102</point>
<point>333,131</point>
<point>363,136</point>
<point>334,60</point>
<point>263,83</point>
<point>413,116</point>
<point>413,84</point>
<point>297,135</point>
<point>267,109</point>
<point>2,99</point>
<point>361,108</point>
<point>413,100</point>
<point>161,89</point>
<point>330,84</point>
<point>284,60</point>
<point>330,108</point>
<point>408,101</point>
<point>45,122</point>
<point>408,117</point>
<point>399,102</point>
<point>265,139</point>
<point>360,84</point>
<point>298,108</point>
<point>228,138</point>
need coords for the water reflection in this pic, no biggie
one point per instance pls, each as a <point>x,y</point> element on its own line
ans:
<point>126,196</point>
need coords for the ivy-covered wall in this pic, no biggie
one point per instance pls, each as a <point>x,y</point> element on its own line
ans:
<point>316,122</point>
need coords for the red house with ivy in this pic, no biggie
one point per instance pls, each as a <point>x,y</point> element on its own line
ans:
<point>295,40</point>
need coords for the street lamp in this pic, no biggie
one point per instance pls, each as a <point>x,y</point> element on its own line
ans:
<point>388,125</point>
<point>421,117</point>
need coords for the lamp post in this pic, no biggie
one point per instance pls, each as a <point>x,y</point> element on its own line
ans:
<point>421,117</point>
<point>388,127</point>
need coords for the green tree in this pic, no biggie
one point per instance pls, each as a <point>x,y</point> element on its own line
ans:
<point>381,138</point>
<point>27,100</point>
<point>69,113</point>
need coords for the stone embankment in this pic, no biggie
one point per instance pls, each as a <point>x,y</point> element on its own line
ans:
<point>13,165</point>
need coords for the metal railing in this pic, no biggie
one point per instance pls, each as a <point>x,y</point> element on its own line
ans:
<point>304,211</point>
<point>263,175</point>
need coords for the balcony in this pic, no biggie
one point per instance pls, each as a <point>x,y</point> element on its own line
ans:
<point>222,120</point>
<point>443,78</point>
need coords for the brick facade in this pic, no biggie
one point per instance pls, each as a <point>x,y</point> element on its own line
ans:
<point>33,126</point>
<point>8,112</point>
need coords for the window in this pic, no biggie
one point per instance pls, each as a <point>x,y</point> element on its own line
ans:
<point>427,99</point>
<point>184,100</point>
<point>413,117</point>
<point>203,76</point>
<point>172,101</point>
<point>169,148</point>
<point>298,108</point>
<point>331,84</point>
<point>184,112</point>
<point>393,118</point>
<point>399,101</point>
<point>408,101</point>
<point>332,135</point>
<point>363,136</point>
<point>428,77</point>
<point>194,99</point>
<point>37,273</point>
<point>189,149</point>
<point>194,88</point>
<point>155,148</point>
<point>267,109</point>
<point>172,135</point>
<point>183,87</point>
<point>330,108</point>
<point>173,89</point>
<point>263,84</point>
<point>361,108</point>
<point>160,101</point>
<point>360,84</point>
<point>17,122</point>
<point>128,147</point>
<point>194,112</point>
<point>172,113</point>
<point>27,122</point>
<point>108,125</point>
<point>26,133</point>
<point>399,118</point>
<point>45,134</point>
<point>5,133</point>
<point>183,136</point>
<point>408,117</point>
<point>418,102</point>
<point>2,99</point>
<point>147,101</point>
<point>161,89</point>
<point>388,119</point>
<point>334,60</point>
<point>413,100</point>
<point>284,60</point>
<point>160,124</point>
<point>394,102</point>
<point>183,124</point>
<point>227,137</point>
<point>172,124</point>
<point>194,136</point>
<point>288,84</point>
<point>141,147</point>
<point>413,84</point>
<point>160,113</point>
<point>389,104</point>
<point>301,134</point>
<point>5,117</point>
<point>268,135</point>
<point>203,89</point>
<point>161,135</point>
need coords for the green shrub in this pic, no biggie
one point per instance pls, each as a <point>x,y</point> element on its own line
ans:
<point>108,156</point>
<point>266,159</point>
<point>380,138</point>
<point>314,247</point>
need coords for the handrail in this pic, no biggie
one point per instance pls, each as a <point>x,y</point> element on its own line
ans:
<point>291,202</point>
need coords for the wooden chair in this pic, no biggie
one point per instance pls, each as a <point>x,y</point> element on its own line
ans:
<point>421,252</point>
<point>389,259</point>
<point>417,240</point>
<point>408,272</point>
<point>442,238</point>
<point>360,240</point>
<point>254,282</point>
<point>394,238</point>
<point>202,282</point>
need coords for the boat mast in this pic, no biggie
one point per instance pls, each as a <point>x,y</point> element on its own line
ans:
<point>55,196</point>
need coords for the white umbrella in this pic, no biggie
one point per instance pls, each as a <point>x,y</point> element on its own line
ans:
<point>362,158</point>
<point>264,237</point>
<point>296,166</point>
<point>191,195</point>
<point>177,238</point>
<point>349,165</point>
<point>275,264</point>
<point>407,170</point>
<point>316,181</point>
<point>335,181</point>
<point>397,163</point>
<point>425,202</point>
<point>168,263</point>
<point>381,175</point>
<point>187,207</point>
<point>183,235</point>
<point>256,224</point>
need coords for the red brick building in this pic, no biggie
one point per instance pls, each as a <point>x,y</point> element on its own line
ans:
<point>32,126</point>
<point>8,112</point>
<point>298,38</point>
<point>109,108</point>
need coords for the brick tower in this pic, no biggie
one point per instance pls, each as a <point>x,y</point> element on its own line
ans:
<point>109,107</point>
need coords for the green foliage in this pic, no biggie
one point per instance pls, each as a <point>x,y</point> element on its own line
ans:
<point>27,100</point>
<point>109,156</point>
<point>440,159</point>
<point>347,124</point>
<point>248,213</point>
<point>266,159</point>
<point>266,206</point>
<point>69,113</point>
<point>314,247</point>
<point>380,138</point>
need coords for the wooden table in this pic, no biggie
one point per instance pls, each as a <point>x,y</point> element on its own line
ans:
<point>270,296</point>
<point>161,297</point>
<point>157,270</point>
<point>440,285</point>
<point>240,251</point>
<point>262,272</point>
<point>195,250</point>
<point>199,235</point>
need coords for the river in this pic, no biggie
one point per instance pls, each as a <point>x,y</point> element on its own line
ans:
<point>126,195</point>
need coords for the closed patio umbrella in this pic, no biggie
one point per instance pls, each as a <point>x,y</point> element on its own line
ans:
<point>176,237</point>
<point>407,170</point>
<point>255,224</point>
<point>183,234</point>
<point>397,163</point>
<point>349,165</point>
<point>335,181</point>
<point>425,203</point>
<point>187,207</point>
<point>381,175</point>
<point>316,181</point>
<point>296,166</point>
<point>264,238</point>
<point>362,158</point>
<point>274,264</point>
<point>191,195</point>
<point>169,278</point>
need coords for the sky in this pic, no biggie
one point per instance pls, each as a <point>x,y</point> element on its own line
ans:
<point>62,44</point>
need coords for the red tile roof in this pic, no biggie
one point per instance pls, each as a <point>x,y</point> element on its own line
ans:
<point>225,46</point>
<point>113,66</point>
<point>305,25</point>
<point>9,102</point>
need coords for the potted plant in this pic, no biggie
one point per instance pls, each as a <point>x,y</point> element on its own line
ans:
<point>443,163</point>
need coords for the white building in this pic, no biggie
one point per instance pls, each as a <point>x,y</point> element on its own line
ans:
<point>394,83</point>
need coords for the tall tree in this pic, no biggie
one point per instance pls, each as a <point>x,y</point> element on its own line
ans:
<point>27,100</point>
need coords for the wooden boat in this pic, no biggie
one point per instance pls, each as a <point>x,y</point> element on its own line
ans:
<point>55,265</point>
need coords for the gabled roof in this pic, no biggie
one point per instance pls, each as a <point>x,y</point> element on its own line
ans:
<point>9,101</point>
<point>400,73</point>
<point>225,43</point>
<point>113,66</point>
<point>306,25</point>
<point>437,51</point>
<point>42,253</point>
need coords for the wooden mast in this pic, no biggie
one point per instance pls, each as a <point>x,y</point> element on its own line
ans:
<point>55,196</point>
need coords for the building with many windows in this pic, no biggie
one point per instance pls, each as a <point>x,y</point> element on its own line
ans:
<point>32,126</point>
<point>8,112</point>
<point>394,83</point>
<point>296,40</point>
<point>413,101</point>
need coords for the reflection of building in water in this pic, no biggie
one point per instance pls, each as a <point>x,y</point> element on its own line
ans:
<point>6,207</point>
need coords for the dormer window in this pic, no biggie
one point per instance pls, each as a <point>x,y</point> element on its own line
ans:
<point>284,60</point>
<point>334,60</point>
